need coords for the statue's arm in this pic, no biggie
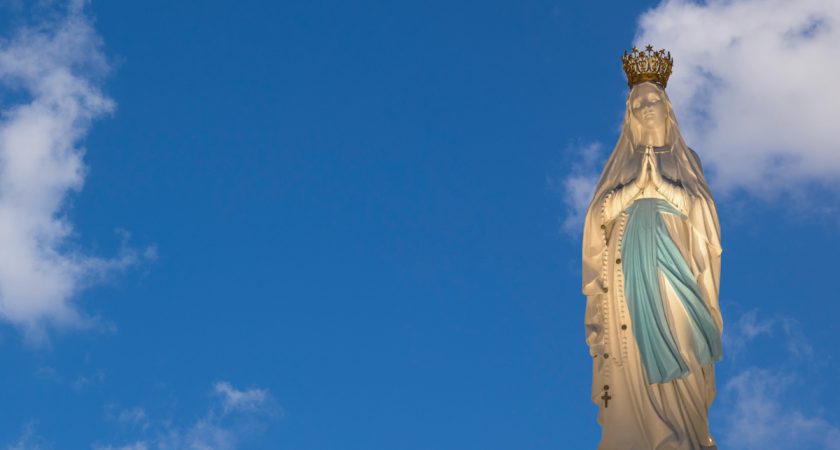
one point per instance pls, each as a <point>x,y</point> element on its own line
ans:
<point>617,200</point>
<point>674,194</point>
<point>594,327</point>
<point>710,289</point>
<point>707,246</point>
<point>706,253</point>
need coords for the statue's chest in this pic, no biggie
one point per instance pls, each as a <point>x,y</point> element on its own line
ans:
<point>666,162</point>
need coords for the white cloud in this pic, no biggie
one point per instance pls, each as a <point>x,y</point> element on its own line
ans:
<point>205,434</point>
<point>578,185</point>
<point>235,416</point>
<point>759,418</point>
<point>235,400</point>
<point>742,331</point>
<point>29,440</point>
<point>759,406</point>
<point>134,446</point>
<point>745,329</point>
<point>797,344</point>
<point>755,88</point>
<point>134,418</point>
<point>54,70</point>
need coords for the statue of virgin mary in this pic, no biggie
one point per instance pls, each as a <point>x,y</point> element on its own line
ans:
<point>651,275</point>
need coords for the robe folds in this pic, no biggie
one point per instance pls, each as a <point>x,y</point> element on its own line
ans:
<point>653,396</point>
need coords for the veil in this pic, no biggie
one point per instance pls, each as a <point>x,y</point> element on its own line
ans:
<point>680,166</point>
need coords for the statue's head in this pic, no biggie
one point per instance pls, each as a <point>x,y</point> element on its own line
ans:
<point>648,106</point>
<point>649,115</point>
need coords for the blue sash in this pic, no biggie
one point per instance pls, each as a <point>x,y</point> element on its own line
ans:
<point>647,249</point>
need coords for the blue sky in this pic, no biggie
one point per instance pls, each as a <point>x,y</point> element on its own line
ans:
<point>324,225</point>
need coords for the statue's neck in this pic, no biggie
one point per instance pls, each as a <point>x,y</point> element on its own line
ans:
<point>653,137</point>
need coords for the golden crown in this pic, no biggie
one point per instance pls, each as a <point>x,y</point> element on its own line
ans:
<point>647,65</point>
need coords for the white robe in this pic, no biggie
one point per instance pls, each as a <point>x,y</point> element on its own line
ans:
<point>637,415</point>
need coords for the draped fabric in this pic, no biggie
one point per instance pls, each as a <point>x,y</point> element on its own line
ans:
<point>649,249</point>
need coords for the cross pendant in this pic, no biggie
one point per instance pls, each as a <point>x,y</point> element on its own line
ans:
<point>606,398</point>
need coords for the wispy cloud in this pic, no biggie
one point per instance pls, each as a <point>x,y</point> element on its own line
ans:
<point>52,73</point>
<point>134,446</point>
<point>578,185</point>
<point>755,88</point>
<point>234,416</point>
<point>132,418</point>
<point>741,332</point>
<point>233,399</point>
<point>759,418</point>
<point>760,407</point>
<point>30,440</point>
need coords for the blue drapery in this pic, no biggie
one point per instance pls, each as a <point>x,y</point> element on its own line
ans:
<point>648,248</point>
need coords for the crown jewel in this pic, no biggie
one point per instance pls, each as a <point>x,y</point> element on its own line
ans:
<point>647,65</point>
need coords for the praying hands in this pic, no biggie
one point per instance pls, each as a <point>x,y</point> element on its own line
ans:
<point>649,171</point>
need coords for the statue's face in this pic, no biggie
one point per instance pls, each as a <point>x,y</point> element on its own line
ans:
<point>648,107</point>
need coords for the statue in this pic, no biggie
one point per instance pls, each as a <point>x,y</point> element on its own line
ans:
<point>651,275</point>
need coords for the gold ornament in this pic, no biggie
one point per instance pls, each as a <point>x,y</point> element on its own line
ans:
<point>647,65</point>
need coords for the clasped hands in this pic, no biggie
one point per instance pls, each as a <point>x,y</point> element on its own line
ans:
<point>649,171</point>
